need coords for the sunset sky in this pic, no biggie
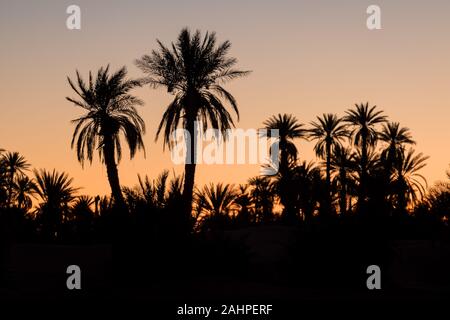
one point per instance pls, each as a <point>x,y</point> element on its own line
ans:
<point>307,57</point>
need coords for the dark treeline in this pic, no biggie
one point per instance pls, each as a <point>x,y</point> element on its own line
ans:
<point>363,192</point>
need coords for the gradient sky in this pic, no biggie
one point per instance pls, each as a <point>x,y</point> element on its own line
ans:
<point>307,58</point>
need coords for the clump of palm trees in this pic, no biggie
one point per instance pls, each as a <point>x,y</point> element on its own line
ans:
<point>365,163</point>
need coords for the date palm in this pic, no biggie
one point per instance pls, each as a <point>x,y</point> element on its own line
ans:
<point>409,185</point>
<point>56,193</point>
<point>110,115</point>
<point>14,165</point>
<point>25,189</point>
<point>343,167</point>
<point>396,138</point>
<point>288,129</point>
<point>216,199</point>
<point>215,202</point>
<point>262,196</point>
<point>363,120</point>
<point>193,70</point>
<point>329,132</point>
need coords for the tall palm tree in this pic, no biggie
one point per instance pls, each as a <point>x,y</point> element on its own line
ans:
<point>56,193</point>
<point>329,131</point>
<point>396,138</point>
<point>288,129</point>
<point>15,165</point>
<point>193,70</point>
<point>363,121</point>
<point>110,114</point>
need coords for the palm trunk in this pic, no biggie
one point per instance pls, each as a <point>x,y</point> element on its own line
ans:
<point>113,175</point>
<point>189,167</point>
<point>328,178</point>
<point>343,194</point>
<point>283,171</point>
<point>363,178</point>
<point>10,188</point>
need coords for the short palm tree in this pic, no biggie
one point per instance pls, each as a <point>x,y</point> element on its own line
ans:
<point>409,185</point>
<point>262,196</point>
<point>244,202</point>
<point>329,132</point>
<point>363,121</point>
<point>14,165</point>
<point>215,201</point>
<point>82,208</point>
<point>56,193</point>
<point>24,189</point>
<point>193,70</point>
<point>110,114</point>
<point>154,192</point>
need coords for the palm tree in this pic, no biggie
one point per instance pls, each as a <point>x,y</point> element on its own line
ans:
<point>396,138</point>
<point>406,180</point>
<point>363,120</point>
<point>244,202</point>
<point>3,183</point>
<point>262,196</point>
<point>308,187</point>
<point>24,188</point>
<point>110,112</point>
<point>154,192</point>
<point>437,200</point>
<point>193,70</point>
<point>81,212</point>
<point>329,132</point>
<point>342,166</point>
<point>215,202</point>
<point>288,129</point>
<point>83,204</point>
<point>15,165</point>
<point>56,193</point>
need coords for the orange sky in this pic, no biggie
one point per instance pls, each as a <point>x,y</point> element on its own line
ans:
<point>307,57</point>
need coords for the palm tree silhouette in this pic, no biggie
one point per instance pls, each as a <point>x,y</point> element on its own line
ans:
<point>342,166</point>
<point>56,193</point>
<point>262,196</point>
<point>406,180</point>
<point>193,70</point>
<point>363,120</point>
<point>154,192</point>
<point>288,129</point>
<point>110,111</point>
<point>215,202</point>
<point>15,165</point>
<point>24,188</point>
<point>244,202</point>
<point>329,132</point>
<point>396,138</point>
